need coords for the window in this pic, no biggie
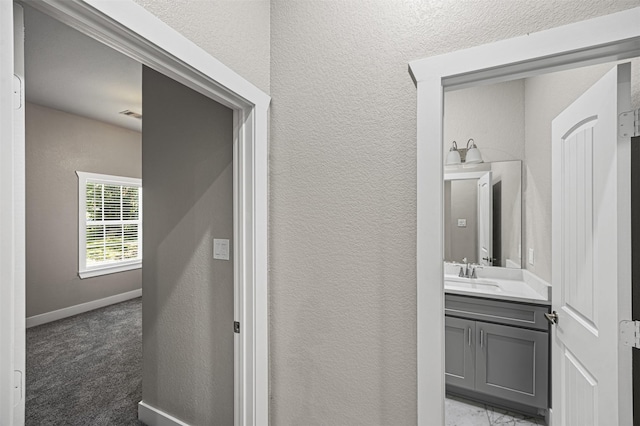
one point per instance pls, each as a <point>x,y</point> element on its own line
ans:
<point>110,224</point>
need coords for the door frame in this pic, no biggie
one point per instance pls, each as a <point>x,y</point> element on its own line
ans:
<point>130,29</point>
<point>608,38</point>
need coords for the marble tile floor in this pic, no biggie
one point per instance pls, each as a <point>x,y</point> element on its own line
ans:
<point>463,412</point>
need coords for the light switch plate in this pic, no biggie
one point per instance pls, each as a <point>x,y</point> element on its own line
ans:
<point>530,256</point>
<point>220,249</point>
<point>462,223</point>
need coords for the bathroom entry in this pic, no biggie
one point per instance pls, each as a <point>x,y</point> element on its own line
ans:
<point>572,46</point>
<point>539,94</point>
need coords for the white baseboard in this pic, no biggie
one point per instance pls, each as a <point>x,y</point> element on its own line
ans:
<point>152,416</point>
<point>81,308</point>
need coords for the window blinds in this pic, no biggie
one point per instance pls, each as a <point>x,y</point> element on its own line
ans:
<point>112,223</point>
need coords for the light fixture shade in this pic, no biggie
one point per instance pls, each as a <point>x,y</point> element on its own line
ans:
<point>473,156</point>
<point>473,153</point>
<point>453,157</point>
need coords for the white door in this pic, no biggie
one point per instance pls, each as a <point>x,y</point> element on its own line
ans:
<point>591,249</point>
<point>485,220</point>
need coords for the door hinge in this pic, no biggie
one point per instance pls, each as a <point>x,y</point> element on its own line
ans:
<point>236,327</point>
<point>17,92</point>
<point>17,386</point>
<point>630,333</point>
<point>629,124</point>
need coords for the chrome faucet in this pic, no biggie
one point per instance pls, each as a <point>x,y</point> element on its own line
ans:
<point>475,268</point>
<point>466,269</point>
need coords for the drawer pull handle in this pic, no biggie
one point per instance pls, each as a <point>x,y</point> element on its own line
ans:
<point>552,317</point>
<point>481,338</point>
<point>469,336</point>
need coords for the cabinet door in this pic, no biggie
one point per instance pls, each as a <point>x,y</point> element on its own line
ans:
<point>513,363</point>
<point>459,352</point>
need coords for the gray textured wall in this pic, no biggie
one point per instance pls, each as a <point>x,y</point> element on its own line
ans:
<point>234,32</point>
<point>187,295</point>
<point>343,191</point>
<point>342,207</point>
<point>492,115</point>
<point>57,145</point>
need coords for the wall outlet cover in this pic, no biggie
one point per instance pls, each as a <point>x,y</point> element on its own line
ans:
<point>462,223</point>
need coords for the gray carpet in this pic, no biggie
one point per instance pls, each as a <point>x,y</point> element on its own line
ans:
<point>87,369</point>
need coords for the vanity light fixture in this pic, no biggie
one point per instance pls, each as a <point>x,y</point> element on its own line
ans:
<point>473,153</point>
<point>469,155</point>
<point>453,157</point>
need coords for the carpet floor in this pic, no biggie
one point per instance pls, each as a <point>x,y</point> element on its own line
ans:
<point>86,369</point>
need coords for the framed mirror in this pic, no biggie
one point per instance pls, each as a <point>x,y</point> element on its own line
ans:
<point>483,214</point>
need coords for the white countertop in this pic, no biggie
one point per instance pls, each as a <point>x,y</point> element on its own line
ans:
<point>518,285</point>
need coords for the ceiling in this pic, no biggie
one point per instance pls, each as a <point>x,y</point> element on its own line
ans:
<point>69,71</point>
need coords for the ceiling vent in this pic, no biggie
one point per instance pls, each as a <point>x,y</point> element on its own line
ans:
<point>131,114</point>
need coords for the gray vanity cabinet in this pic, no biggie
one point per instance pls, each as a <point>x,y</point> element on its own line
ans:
<point>460,349</point>
<point>512,363</point>
<point>497,349</point>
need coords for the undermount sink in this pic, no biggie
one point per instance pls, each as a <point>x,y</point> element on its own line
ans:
<point>471,283</point>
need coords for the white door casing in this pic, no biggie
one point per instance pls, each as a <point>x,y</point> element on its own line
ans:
<point>485,220</point>
<point>591,252</point>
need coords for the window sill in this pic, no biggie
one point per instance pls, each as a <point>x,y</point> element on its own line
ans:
<point>106,270</point>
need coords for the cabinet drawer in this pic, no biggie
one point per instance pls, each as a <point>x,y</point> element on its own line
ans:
<point>508,313</point>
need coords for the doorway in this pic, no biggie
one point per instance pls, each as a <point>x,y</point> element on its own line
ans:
<point>501,61</point>
<point>120,27</point>
<point>76,91</point>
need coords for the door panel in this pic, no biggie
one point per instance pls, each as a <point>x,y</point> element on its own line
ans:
<point>581,390</point>
<point>187,175</point>
<point>512,363</point>
<point>591,256</point>
<point>460,352</point>
<point>577,187</point>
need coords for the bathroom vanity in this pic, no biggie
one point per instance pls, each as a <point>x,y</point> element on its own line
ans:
<point>497,351</point>
<point>497,337</point>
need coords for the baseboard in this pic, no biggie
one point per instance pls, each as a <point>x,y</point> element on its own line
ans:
<point>81,308</point>
<point>152,416</point>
